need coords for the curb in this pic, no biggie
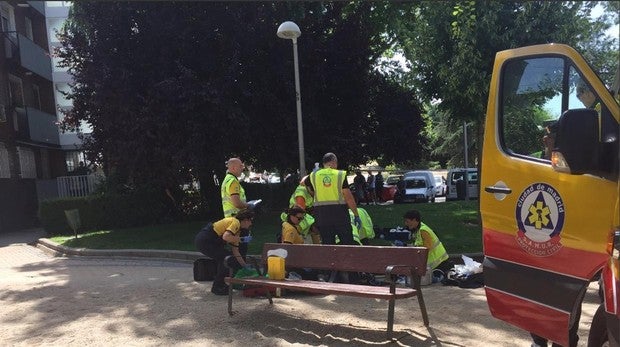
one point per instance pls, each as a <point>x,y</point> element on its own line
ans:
<point>55,249</point>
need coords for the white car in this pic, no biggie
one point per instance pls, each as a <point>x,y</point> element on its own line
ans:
<point>440,186</point>
<point>430,179</point>
<point>414,189</point>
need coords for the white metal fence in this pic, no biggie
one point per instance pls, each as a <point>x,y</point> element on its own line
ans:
<point>73,186</point>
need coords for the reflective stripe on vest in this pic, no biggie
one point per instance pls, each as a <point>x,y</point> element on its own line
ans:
<point>325,193</point>
<point>437,253</point>
<point>227,205</point>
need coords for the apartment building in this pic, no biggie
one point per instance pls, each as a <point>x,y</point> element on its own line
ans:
<point>31,156</point>
<point>56,13</point>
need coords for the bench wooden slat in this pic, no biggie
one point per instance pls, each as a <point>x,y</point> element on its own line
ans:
<point>371,259</point>
<point>365,291</point>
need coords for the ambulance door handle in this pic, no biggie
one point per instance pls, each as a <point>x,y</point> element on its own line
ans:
<point>498,190</point>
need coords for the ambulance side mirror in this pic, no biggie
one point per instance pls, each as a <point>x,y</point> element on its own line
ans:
<point>576,139</point>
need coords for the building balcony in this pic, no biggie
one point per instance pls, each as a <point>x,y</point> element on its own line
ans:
<point>25,53</point>
<point>39,6</point>
<point>36,126</point>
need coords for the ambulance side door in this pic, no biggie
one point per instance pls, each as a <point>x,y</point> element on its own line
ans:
<point>544,232</point>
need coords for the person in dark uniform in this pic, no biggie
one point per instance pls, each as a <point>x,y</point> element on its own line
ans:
<point>331,199</point>
<point>221,239</point>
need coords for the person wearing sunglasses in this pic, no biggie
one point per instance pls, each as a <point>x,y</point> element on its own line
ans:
<point>291,229</point>
<point>302,197</point>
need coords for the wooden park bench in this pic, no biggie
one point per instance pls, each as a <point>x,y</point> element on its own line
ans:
<point>392,261</point>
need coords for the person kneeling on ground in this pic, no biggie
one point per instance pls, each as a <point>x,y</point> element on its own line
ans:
<point>423,236</point>
<point>213,239</point>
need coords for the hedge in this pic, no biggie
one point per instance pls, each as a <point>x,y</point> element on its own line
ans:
<point>105,211</point>
<point>108,211</point>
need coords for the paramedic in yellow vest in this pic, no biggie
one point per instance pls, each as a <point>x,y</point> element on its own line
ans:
<point>331,198</point>
<point>424,236</point>
<point>367,231</point>
<point>302,198</point>
<point>233,195</point>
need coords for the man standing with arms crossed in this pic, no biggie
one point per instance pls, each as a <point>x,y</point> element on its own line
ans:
<point>332,199</point>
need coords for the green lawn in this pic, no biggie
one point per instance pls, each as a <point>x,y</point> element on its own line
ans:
<point>456,224</point>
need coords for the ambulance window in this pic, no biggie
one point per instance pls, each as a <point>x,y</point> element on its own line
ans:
<point>530,103</point>
<point>583,95</point>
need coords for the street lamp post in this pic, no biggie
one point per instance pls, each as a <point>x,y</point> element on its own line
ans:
<point>289,30</point>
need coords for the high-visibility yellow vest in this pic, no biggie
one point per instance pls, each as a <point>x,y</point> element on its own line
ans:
<point>367,230</point>
<point>437,253</point>
<point>327,185</point>
<point>303,192</point>
<point>308,220</point>
<point>227,205</point>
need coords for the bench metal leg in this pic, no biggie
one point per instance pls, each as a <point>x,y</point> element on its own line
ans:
<point>391,304</point>
<point>269,295</point>
<point>390,323</point>
<point>416,283</point>
<point>230,290</point>
<point>230,295</point>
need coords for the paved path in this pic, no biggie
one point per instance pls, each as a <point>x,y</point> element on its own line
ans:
<point>94,301</point>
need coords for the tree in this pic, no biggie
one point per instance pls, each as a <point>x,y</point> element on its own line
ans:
<point>452,45</point>
<point>174,89</point>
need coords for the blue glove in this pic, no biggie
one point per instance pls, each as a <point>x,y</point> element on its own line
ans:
<point>245,239</point>
<point>357,221</point>
<point>398,243</point>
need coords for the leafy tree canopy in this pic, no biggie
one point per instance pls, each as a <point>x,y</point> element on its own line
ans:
<point>174,89</point>
<point>452,45</point>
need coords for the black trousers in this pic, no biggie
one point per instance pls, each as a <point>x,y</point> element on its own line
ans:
<point>210,244</point>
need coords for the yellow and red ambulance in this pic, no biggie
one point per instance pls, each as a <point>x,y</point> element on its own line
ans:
<point>550,191</point>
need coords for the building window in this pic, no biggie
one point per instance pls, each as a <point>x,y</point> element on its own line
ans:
<point>28,24</point>
<point>16,92</point>
<point>72,159</point>
<point>36,96</point>
<point>27,163</point>
<point>5,171</point>
<point>4,20</point>
<point>7,17</point>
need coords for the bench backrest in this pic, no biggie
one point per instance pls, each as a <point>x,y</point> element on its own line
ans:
<point>371,259</point>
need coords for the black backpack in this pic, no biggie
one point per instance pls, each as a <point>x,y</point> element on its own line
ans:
<point>204,269</point>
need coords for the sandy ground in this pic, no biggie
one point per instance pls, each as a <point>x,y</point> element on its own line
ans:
<point>55,301</point>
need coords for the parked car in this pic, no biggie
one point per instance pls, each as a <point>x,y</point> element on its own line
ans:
<point>440,186</point>
<point>414,189</point>
<point>389,187</point>
<point>456,180</point>
<point>428,176</point>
